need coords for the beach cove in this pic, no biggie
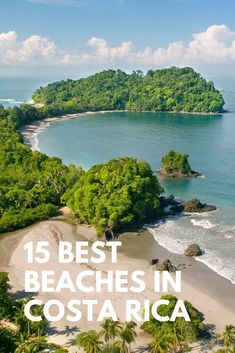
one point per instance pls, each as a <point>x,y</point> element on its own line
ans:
<point>209,293</point>
<point>89,138</point>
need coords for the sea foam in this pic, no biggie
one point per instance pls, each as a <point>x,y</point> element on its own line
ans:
<point>204,223</point>
<point>214,236</point>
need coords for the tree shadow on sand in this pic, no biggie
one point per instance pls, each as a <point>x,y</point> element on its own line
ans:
<point>22,294</point>
<point>68,331</point>
<point>142,349</point>
<point>208,342</point>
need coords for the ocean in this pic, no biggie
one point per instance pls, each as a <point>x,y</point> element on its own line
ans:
<point>209,140</point>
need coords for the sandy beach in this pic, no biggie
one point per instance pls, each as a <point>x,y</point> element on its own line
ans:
<point>210,293</point>
<point>30,131</point>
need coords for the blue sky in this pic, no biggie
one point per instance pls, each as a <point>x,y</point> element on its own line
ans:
<point>90,35</point>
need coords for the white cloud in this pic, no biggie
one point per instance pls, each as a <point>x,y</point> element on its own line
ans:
<point>215,45</point>
<point>103,51</point>
<point>33,50</point>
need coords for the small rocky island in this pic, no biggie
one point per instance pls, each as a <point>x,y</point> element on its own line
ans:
<point>176,165</point>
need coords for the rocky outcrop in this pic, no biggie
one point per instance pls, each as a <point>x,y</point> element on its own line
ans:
<point>165,265</point>
<point>177,175</point>
<point>154,262</point>
<point>170,205</point>
<point>193,250</point>
<point>196,206</point>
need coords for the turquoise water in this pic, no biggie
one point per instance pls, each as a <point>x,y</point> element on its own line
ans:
<point>209,140</point>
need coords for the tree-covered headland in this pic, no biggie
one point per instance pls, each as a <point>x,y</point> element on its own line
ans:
<point>33,186</point>
<point>174,89</point>
<point>114,194</point>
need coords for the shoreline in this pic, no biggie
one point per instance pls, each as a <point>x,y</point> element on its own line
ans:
<point>215,285</point>
<point>31,130</point>
<point>30,138</point>
<point>210,293</point>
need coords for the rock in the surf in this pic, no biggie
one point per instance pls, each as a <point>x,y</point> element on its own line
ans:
<point>193,250</point>
<point>196,206</point>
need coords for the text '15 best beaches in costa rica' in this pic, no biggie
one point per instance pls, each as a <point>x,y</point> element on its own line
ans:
<point>120,281</point>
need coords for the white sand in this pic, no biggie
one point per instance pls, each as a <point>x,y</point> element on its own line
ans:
<point>64,332</point>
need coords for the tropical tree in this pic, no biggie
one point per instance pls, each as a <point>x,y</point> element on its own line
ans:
<point>89,341</point>
<point>8,339</point>
<point>178,337</point>
<point>31,345</point>
<point>29,328</point>
<point>228,336</point>
<point>111,349</point>
<point>110,329</point>
<point>114,194</point>
<point>127,336</point>
<point>23,345</point>
<point>162,343</point>
<point>6,300</point>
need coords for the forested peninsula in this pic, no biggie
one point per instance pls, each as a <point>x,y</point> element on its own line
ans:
<point>33,186</point>
<point>166,90</point>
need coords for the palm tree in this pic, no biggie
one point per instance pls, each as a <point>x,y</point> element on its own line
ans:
<point>228,336</point>
<point>122,344</point>
<point>111,349</point>
<point>178,338</point>
<point>89,341</point>
<point>162,343</point>
<point>23,346</point>
<point>110,329</point>
<point>37,344</point>
<point>127,335</point>
<point>20,317</point>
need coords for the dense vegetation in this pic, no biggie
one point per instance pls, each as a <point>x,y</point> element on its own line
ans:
<point>173,89</point>
<point>115,337</point>
<point>31,184</point>
<point>20,335</point>
<point>17,333</point>
<point>174,162</point>
<point>227,339</point>
<point>23,115</point>
<point>114,194</point>
<point>178,332</point>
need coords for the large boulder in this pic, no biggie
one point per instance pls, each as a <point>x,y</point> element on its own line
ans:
<point>193,250</point>
<point>196,206</point>
<point>165,265</point>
